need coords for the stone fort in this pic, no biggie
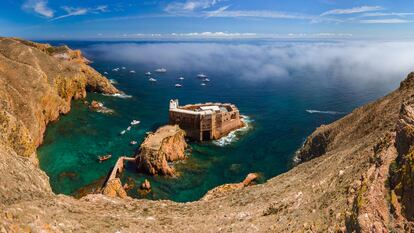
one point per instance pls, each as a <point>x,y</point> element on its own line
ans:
<point>208,121</point>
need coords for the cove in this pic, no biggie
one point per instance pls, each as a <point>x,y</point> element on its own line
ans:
<point>283,108</point>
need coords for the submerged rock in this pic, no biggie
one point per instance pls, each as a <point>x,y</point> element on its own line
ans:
<point>99,107</point>
<point>167,144</point>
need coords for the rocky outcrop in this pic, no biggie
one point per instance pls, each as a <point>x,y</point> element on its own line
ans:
<point>114,188</point>
<point>225,189</point>
<point>167,144</point>
<point>314,146</point>
<point>35,88</point>
<point>146,185</point>
<point>402,170</point>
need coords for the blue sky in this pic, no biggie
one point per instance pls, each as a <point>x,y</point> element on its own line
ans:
<point>200,19</point>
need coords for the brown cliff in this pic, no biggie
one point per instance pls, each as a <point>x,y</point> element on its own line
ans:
<point>343,188</point>
<point>167,144</point>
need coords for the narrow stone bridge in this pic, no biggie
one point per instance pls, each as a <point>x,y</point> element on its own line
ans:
<point>118,168</point>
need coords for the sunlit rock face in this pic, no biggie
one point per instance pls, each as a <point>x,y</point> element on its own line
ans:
<point>167,144</point>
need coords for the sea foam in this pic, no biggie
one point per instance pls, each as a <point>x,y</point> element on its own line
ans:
<point>311,111</point>
<point>234,135</point>
<point>119,95</point>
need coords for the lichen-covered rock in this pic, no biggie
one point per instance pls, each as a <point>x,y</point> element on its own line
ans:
<point>167,144</point>
<point>402,172</point>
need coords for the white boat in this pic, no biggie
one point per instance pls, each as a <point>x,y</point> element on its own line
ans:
<point>133,142</point>
<point>181,78</point>
<point>123,68</point>
<point>152,80</point>
<point>105,72</point>
<point>202,75</point>
<point>135,122</point>
<point>203,84</point>
<point>132,71</point>
<point>178,85</point>
<point>148,73</point>
<point>115,69</point>
<point>129,128</point>
<point>161,70</point>
<point>206,80</point>
<point>123,132</point>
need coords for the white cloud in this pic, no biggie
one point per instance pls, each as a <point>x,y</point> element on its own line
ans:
<point>384,21</point>
<point>40,7</point>
<point>223,12</point>
<point>231,35</point>
<point>379,14</point>
<point>190,5</point>
<point>360,9</point>
<point>351,61</point>
<point>73,11</point>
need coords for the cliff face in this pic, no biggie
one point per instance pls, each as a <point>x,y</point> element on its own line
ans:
<point>358,174</point>
<point>167,144</point>
<point>35,88</point>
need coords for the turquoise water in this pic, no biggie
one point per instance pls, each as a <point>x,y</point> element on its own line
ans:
<point>276,107</point>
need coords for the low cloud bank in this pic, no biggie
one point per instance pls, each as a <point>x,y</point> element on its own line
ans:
<point>368,61</point>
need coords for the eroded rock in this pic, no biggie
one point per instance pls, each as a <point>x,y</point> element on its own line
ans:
<point>114,188</point>
<point>167,144</point>
<point>146,185</point>
<point>227,188</point>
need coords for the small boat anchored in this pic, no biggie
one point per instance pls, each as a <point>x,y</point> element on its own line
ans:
<point>178,85</point>
<point>104,158</point>
<point>129,128</point>
<point>152,80</point>
<point>181,78</point>
<point>206,80</point>
<point>203,84</point>
<point>148,73</point>
<point>132,71</point>
<point>135,122</point>
<point>161,70</point>
<point>202,76</point>
<point>123,132</point>
<point>133,142</point>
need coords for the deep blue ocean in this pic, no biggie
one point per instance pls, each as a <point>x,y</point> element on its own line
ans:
<point>285,95</point>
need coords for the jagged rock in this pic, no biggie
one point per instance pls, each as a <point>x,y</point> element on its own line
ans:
<point>226,188</point>
<point>96,105</point>
<point>314,146</point>
<point>146,185</point>
<point>99,107</point>
<point>114,188</point>
<point>402,172</point>
<point>167,144</point>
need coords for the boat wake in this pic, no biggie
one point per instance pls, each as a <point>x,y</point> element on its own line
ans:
<point>311,111</point>
<point>118,95</point>
<point>234,135</point>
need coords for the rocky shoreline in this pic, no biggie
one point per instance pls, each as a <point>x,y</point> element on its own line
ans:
<point>353,175</point>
